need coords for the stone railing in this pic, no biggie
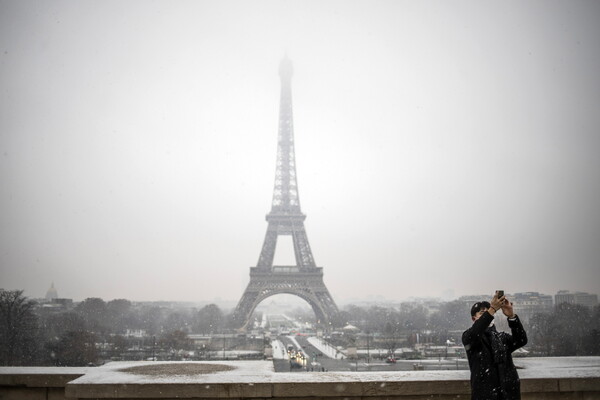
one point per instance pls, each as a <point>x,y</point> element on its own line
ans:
<point>33,383</point>
<point>541,379</point>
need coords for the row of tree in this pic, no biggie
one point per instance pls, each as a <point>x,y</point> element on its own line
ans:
<point>409,318</point>
<point>29,335</point>
<point>117,316</point>
<point>18,329</point>
<point>569,330</point>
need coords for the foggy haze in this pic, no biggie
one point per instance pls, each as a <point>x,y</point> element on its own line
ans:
<point>442,148</point>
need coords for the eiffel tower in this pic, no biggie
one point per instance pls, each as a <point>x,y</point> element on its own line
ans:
<point>304,279</point>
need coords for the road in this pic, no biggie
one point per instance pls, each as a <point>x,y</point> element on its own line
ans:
<point>315,361</point>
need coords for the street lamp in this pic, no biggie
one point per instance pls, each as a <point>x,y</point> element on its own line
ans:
<point>153,348</point>
<point>368,354</point>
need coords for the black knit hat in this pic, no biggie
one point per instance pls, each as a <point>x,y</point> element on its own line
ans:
<point>478,306</point>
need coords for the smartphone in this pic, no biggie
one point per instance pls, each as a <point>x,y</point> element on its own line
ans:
<point>500,293</point>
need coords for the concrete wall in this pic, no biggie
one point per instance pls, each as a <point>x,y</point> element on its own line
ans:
<point>33,383</point>
<point>541,389</point>
<point>254,380</point>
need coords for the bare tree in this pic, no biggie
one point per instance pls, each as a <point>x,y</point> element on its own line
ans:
<point>75,348</point>
<point>209,319</point>
<point>94,312</point>
<point>18,329</point>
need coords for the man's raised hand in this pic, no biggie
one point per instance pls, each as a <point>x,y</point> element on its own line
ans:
<point>507,308</point>
<point>496,302</point>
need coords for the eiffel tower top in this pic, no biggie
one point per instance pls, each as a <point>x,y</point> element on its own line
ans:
<point>286,69</point>
<point>286,199</point>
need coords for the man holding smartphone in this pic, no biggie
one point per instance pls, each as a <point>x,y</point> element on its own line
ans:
<point>493,374</point>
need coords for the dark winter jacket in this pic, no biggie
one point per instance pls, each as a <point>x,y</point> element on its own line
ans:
<point>493,374</point>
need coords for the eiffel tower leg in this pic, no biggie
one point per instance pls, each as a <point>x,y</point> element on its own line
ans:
<point>267,254</point>
<point>325,302</point>
<point>320,313</point>
<point>245,307</point>
<point>329,308</point>
<point>304,257</point>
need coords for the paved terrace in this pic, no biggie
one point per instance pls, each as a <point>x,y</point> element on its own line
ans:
<point>542,379</point>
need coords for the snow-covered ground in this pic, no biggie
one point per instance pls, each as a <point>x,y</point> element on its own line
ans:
<point>261,372</point>
<point>279,351</point>
<point>256,372</point>
<point>545,363</point>
<point>325,348</point>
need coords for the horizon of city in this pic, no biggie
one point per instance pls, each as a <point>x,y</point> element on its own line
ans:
<point>296,302</point>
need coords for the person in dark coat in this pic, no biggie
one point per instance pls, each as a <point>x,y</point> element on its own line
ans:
<point>493,374</point>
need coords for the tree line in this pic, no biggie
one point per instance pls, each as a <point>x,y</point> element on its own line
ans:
<point>569,330</point>
<point>30,335</point>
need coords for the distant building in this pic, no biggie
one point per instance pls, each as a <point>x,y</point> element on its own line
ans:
<point>471,299</point>
<point>136,333</point>
<point>53,306</point>
<point>582,298</point>
<point>528,304</point>
<point>51,294</point>
<point>66,303</point>
<point>430,305</point>
<point>200,340</point>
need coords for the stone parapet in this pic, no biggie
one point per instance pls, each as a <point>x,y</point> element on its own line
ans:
<point>36,383</point>
<point>541,379</point>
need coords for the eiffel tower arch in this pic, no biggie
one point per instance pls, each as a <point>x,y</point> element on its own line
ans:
<point>304,279</point>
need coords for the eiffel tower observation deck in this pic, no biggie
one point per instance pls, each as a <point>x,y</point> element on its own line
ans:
<point>304,279</point>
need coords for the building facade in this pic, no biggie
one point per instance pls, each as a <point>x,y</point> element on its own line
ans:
<point>527,304</point>
<point>581,298</point>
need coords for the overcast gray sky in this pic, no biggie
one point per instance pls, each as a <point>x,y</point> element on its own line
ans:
<point>441,146</point>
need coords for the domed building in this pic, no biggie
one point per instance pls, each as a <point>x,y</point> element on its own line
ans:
<point>51,294</point>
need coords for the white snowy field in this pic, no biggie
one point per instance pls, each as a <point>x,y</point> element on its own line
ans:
<point>279,352</point>
<point>256,372</point>
<point>325,348</point>
<point>262,372</point>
